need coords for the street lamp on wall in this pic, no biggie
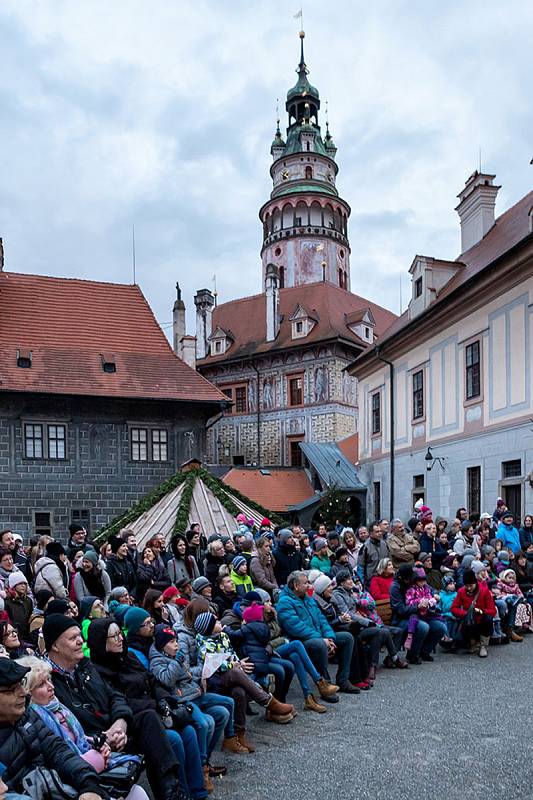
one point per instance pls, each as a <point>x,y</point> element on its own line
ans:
<point>431,460</point>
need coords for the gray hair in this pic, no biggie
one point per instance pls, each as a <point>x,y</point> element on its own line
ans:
<point>395,523</point>
<point>38,667</point>
<point>211,546</point>
<point>295,577</point>
<point>383,563</point>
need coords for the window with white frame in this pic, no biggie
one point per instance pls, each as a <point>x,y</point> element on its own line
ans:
<point>159,444</point>
<point>45,440</point>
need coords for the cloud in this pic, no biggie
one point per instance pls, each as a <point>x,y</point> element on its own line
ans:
<point>161,115</point>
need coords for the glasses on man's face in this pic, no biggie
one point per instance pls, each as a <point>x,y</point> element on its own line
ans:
<point>115,637</point>
<point>148,623</point>
<point>18,687</point>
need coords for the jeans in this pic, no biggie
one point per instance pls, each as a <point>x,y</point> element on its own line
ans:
<point>219,707</point>
<point>185,746</point>
<point>204,725</point>
<point>303,666</point>
<point>428,633</point>
<point>318,653</point>
<point>283,672</point>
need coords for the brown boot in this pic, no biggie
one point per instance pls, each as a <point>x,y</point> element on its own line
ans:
<point>232,745</point>
<point>209,786</point>
<point>515,637</point>
<point>279,709</point>
<point>241,736</point>
<point>325,688</point>
<point>311,704</point>
<point>281,719</point>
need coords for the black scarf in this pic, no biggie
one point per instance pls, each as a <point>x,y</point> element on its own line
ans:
<point>93,582</point>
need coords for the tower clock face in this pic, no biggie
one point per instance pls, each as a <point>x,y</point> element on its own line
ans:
<point>285,175</point>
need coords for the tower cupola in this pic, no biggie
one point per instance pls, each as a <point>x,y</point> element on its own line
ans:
<point>305,222</point>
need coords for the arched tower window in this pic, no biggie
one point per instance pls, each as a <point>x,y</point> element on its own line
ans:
<point>282,277</point>
<point>309,171</point>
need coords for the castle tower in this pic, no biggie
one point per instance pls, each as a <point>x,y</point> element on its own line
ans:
<point>305,222</point>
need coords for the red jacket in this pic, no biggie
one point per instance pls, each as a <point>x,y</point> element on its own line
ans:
<point>380,587</point>
<point>463,601</point>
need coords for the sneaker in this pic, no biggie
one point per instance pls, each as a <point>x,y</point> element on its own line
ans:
<point>349,688</point>
<point>426,657</point>
<point>325,688</point>
<point>311,704</point>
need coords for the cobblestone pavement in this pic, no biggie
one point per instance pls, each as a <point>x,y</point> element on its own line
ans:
<point>427,732</point>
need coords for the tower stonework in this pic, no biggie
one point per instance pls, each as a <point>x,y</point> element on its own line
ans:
<point>305,222</point>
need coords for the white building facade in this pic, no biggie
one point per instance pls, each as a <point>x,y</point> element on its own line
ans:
<point>457,370</point>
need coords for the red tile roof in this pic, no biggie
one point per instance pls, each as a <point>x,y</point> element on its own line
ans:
<point>350,447</point>
<point>246,318</point>
<point>277,491</point>
<point>68,324</point>
<point>508,230</point>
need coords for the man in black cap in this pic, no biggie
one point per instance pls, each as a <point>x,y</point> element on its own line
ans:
<point>26,742</point>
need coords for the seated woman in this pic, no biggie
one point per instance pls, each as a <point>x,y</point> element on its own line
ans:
<point>64,724</point>
<point>321,559</point>
<point>296,653</point>
<point>126,670</point>
<point>350,599</point>
<point>91,578</point>
<point>90,608</point>
<point>167,665</point>
<point>381,582</point>
<point>9,639</point>
<point>155,605</point>
<point>474,608</point>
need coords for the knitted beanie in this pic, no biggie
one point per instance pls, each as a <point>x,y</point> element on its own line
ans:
<point>15,578</point>
<point>264,596</point>
<point>204,623</point>
<point>319,543</point>
<point>56,606</point>
<point>253,613</point>
<point>163,635</point>
<point>54,549</point>
<point>321,584</point>
<point>477,566</point>
<point>117,592</point>
<point>54,626</point>
<point>169,594</point>
<point>91,555</point>
<point>119,611</point>
<point>134,618</point>
<point>237,562</point>
<point>284,535</point>
<point>86,605</point>
<point>250,598</point>
<point>201,583</point>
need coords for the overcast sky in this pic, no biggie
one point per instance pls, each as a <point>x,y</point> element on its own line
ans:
<point>161,114</point>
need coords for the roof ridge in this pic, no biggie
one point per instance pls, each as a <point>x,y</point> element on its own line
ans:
<point>9,273</point>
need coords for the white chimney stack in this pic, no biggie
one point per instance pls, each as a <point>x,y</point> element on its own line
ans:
<point>204,301</point>
<point>476,208</point>
<point>272,302</point>
<point>188,350</point>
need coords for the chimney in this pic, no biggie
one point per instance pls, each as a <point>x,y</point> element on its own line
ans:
<point>1,254</point>
<point>272,301</point>
<point>178,322</point>
<point>204,302</point>
<point>188,350</point>
<point>476,208</point>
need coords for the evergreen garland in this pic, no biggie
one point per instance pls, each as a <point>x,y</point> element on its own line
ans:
<point>220,490</point>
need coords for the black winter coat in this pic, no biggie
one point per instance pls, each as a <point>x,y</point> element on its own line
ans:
<point>30,744</point>
<point>287,559</point>
<point>211,567</point>
<point>140,687</point>
<point>96,705</point>
<point>254,638</point>
<point>121,573</point>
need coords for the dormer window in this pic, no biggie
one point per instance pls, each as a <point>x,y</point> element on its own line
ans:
<point>24,358</point>
<point>109,364</point>
<point>220,341</point>
<point>361,323</point>
<point>302,322</point>
<point>367,332</point>
<point>418,287</point>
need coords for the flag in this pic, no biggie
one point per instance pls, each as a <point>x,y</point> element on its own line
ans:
<point>299,15</point>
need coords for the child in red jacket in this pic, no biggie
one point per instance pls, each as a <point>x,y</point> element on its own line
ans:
<point>476,626</point>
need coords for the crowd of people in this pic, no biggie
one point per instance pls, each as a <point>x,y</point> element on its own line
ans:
<point>115,659</point>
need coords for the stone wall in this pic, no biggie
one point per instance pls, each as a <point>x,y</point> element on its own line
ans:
<point>97,475</point>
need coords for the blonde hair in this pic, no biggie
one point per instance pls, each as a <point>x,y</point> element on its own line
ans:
<point>38,667</point>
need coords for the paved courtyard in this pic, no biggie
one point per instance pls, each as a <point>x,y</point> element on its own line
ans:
<point>429,732</point>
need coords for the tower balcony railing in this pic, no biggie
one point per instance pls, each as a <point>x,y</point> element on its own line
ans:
<point>304,230</point>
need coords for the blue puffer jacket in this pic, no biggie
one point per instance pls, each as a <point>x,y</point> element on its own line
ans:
<point>174,676</point>
<point>509,536</point>
<point>301,618</point>
<point>252,639</point>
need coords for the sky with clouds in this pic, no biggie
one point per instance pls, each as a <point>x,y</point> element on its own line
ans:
<point>161,114</point>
